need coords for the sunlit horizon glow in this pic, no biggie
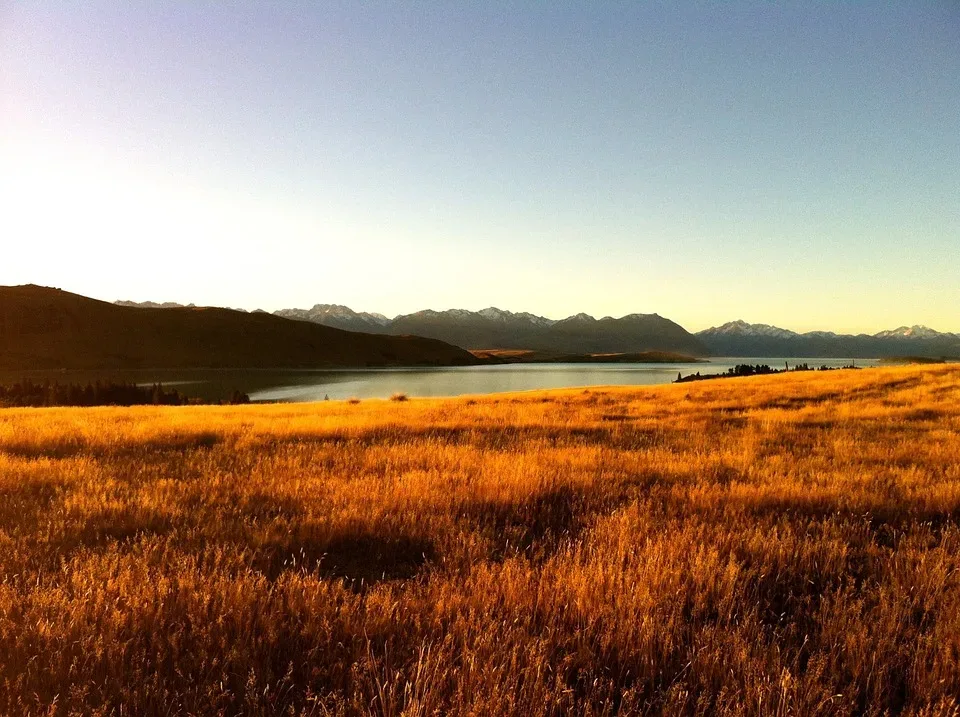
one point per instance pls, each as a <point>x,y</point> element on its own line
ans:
<point>781,164</point>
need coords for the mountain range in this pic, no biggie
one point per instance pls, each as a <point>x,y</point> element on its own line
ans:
<point>738,338</point>
<point>494,328</point>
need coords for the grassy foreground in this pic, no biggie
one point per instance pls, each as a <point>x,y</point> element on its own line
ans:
<point>768,545</point>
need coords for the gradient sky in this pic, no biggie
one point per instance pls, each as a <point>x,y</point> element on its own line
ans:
<point>787,163</point>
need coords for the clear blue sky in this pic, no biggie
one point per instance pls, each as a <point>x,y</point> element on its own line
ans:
<point>788,163</point>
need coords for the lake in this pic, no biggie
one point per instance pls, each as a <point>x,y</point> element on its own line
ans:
<point>457,381</point>
<point>300,385</point>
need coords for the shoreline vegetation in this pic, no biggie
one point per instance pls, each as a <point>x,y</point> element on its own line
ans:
<point>787,545</point>
<point>742,370</point>
<point>918,360</point>
<point>30,394</point>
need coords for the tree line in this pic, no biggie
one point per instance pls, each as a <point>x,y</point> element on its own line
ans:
<point>26,393</point>
<point>745,369</point>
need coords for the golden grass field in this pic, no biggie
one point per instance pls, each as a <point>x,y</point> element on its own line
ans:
<point>770,545</point>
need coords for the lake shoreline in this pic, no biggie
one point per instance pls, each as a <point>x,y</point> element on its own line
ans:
<point>304,385</point>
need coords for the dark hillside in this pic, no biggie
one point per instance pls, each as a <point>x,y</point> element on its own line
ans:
<point>43,328</point>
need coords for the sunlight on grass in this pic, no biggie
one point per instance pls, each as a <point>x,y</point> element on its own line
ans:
<point>770,545</point>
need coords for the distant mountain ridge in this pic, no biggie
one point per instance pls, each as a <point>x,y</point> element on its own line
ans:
<point>494,328</point>
<point>739,338</point>
<point>338,316</point>
<point>153,304</point>
<point>175,305</point>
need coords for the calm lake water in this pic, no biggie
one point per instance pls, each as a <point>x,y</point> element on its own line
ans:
<point>497,379</point>
<point>298,385</point>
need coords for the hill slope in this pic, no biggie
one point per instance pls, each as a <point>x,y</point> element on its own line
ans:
<point>50,328</point>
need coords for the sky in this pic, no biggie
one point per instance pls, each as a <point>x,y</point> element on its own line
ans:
<point>796,164</point>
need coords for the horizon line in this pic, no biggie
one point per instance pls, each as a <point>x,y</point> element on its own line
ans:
<point>508,311</point>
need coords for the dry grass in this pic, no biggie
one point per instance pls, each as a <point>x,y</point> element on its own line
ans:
<point>773,545</point>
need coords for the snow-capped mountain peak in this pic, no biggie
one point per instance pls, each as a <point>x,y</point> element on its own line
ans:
<point>434,314</point>
<point>534,319</point>
<point>909,332</point>
<point>742,328</point>
<point>581,317</point>
<point>495,314</point>
<point>635,316</point>
<point>334,315</point>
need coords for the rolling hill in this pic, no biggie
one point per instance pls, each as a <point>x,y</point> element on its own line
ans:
<point>44,328</point>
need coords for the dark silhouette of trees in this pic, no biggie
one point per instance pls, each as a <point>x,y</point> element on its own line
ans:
<point>745,369</point>
<point>26,393</point>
